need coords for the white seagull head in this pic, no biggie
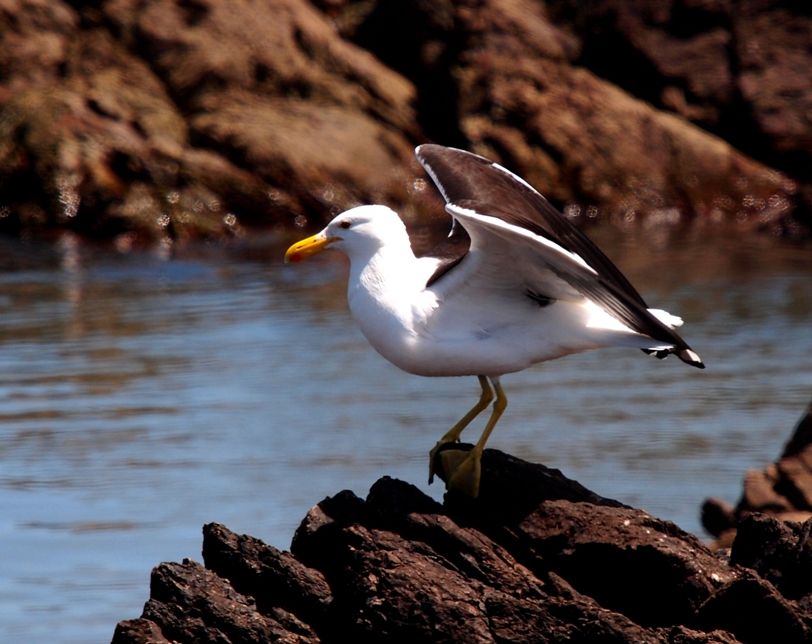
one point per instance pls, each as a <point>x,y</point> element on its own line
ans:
<point>359,232</point>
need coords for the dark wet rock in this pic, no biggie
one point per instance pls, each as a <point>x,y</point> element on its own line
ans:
<point>801,439</point>
<point>782,490</point>
<point>538,558</point>
<point>717,516</point>
<point>169,119</point>
<point>190,603</point>
<point>780,551</point>
<point>754,611</point>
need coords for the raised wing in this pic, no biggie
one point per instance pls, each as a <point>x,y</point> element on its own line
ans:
<point>492,203</point>
<point>464,176</point>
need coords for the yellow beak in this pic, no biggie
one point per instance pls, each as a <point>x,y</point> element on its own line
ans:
<point>308,246</point>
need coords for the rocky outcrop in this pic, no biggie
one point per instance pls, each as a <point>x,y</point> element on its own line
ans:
<point>171,119</point>
<point>175,119</point>
<point>520,94</point>
<point>782,490</point>
<point>537,558</point>
<point>737,69</point>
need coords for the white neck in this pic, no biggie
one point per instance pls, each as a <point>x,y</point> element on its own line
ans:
<point>381,293</point>
<point>389,270</point>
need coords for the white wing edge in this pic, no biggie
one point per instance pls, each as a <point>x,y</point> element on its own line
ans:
<point>504,229</point>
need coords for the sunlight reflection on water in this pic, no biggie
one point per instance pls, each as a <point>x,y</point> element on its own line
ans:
<point>142,398</point>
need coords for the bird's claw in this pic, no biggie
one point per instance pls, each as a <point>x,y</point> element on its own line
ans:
<point>432,458</point>
<point>466,475</point>
<point>460,469</point>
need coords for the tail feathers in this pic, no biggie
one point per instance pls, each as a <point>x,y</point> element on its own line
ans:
<point>685,354</point>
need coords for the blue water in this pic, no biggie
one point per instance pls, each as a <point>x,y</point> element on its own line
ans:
<point>142,396</point>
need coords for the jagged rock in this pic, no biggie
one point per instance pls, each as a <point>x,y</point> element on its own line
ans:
<point>754,611</point>
<point>193,604</point>
<point>780,551</point>
<point>782,490</point>
<point>537,558</point>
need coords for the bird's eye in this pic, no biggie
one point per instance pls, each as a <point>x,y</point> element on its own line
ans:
<point>344,224</point>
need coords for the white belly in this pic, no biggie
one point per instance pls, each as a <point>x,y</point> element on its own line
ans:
<point>512,341</point>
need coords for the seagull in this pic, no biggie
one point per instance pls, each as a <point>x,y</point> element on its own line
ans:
<point>514,284</point>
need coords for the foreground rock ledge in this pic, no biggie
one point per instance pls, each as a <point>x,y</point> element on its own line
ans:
<point>538,558</point>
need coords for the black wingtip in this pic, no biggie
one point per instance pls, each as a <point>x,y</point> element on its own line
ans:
<point>690,357</point>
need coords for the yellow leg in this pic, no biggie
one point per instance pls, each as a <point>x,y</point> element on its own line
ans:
<point>453,434</point>
<point>466,476</point>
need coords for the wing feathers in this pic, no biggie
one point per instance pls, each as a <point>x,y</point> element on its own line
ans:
<point>461,176</point>
<point>489,200</point>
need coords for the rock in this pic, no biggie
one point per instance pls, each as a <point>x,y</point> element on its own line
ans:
<point>189,603</point>
<point>752,609</point>
<point>537,558</point>
<point>759,491</point>
<point>320,120</point>
<point>795,479</point>
<point>171,120</point>
<point>268,575</point>
<point>718,516</point>
<point>801,439</point>
<point>738,69</point>
<point>782,490</point>
<point>780,551</point>
<point>520,95</point>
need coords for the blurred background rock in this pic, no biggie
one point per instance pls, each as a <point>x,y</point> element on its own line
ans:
<point>169,120</point>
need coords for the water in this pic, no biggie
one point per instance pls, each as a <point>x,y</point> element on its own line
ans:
<point>141,397</point>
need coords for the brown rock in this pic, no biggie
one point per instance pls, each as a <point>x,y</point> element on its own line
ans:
<point>538,558</point>
<point>779,551</point>
<point>782,490</point>
<point>760,495</point>
<point>173,120</point>
<point>796,481</point>
<point>752,609</point>
<point>800,443</point>
<point>321,121</point>
<point>193,604</point>
<point>273,578</point>
<point>717,516</point>
<point>93,141</point>
<point>519,98</point>
<point>773,56</point>
<point>738,69</point>
<point>139,630</point>
<point>170,120</point>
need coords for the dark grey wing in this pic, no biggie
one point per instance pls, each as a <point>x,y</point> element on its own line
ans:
<point>449,252</point>
<point>476,184</point>
<point>461,175</point>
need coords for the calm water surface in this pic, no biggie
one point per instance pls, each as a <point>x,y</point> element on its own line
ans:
<point>141,397</point>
